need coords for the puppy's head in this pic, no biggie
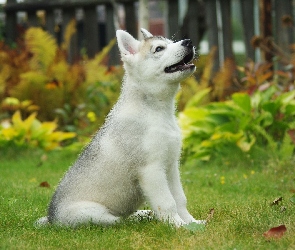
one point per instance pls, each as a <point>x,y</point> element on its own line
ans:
<point>156,58</point>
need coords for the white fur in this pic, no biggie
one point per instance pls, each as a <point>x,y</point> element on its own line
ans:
<point>135,156</point>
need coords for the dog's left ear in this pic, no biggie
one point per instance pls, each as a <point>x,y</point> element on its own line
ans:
<point>145,33</point>
<point>128,45</point>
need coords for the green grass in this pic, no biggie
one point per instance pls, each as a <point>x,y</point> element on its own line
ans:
<point>240,189</point>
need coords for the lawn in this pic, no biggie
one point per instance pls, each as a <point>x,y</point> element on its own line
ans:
<point>240,188</point>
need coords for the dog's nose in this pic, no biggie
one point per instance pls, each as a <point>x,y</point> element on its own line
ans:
<point>187,43</point>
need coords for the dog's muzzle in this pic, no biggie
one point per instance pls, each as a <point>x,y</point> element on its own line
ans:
<point>185,63</point>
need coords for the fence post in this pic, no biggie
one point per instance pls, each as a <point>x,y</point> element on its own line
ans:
<point>226,28</point>
<point>284,24</point>
<point>110,34</point>
<point>91,31</point>
<point>130,21</point>
<point>193,22</point>
<point>143,16</point>
<point>32,18</point>
<point>247,10</point>
<point>68,15</point>
<point>10,26</point>
<point>266,25</point>
<point>50,22</point>
<point>211,20</point>
<point>173,25</point>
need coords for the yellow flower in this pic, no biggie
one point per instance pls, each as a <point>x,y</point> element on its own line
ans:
<point>252,172</point>
<point>222,180</point>
<point>91,116</point>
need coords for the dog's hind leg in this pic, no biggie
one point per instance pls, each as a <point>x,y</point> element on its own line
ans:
<point>84,212</point>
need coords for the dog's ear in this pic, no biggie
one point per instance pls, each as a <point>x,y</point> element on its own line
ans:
<point>128,45</point>
<point>145,33</point>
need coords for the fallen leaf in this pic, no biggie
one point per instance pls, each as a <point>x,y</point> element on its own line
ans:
<point>210,214</point>
<point>44,184</point>
<point>275,232</point>
<point>194,227</point>
<point>276,201</point>
<point>292,199</point>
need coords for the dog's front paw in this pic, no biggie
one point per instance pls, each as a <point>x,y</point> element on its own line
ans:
<point>173,220</point>
<point>199,221</point>
<point>188,218</point>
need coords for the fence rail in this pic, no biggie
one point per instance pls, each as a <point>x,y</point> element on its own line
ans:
<point>259,17</point>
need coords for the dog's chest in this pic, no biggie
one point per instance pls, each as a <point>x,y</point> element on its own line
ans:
<point>163,137</point>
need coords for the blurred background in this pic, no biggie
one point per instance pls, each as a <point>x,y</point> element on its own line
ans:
<point>59,62</point>
<point>228,24</point>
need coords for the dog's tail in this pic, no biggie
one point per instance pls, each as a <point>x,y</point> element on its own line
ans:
<point>42,222</point>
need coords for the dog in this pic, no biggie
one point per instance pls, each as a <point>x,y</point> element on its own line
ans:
<point>135,156</point>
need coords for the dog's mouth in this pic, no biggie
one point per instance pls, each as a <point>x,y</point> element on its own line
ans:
<point>184,64</point>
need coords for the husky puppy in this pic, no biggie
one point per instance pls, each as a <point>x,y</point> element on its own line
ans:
<point>134,157</point>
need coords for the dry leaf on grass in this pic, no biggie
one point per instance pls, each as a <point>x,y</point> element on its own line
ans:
<point>275,232</point>
<point>44,184</point>
<point>210,214</point>
<point>276,201</point>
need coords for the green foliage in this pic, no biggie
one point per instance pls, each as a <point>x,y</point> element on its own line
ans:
<point>31,133</point>
<point>37,70</point>
<point>10,104</point>
<point>265,118</point>
<point>43,48</point>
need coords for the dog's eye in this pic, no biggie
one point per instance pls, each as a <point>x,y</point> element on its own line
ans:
<point>159,48</point>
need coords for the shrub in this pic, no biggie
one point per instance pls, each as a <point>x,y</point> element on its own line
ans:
<point>30,132</point>
<point>265,118</point>
<point>37,70</point>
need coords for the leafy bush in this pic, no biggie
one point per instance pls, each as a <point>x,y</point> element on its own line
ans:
<point>240,106</point>
<point>10,104</point>
<point>266,118</point>
<point>31,133</point>
<point>37,70</point>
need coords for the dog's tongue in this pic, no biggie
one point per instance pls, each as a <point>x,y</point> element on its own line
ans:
<point>179,67</point>
<point>182,65</point>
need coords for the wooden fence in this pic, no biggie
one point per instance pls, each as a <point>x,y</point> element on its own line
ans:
<point>212,16</point>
